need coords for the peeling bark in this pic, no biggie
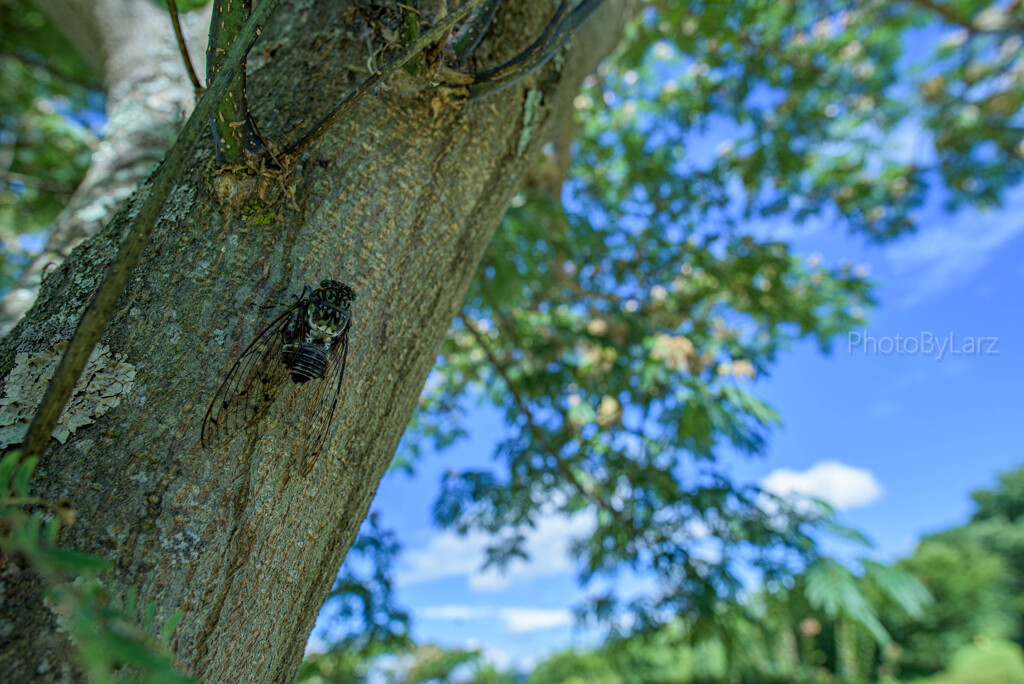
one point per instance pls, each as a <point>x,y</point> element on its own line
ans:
<point>399,202</point>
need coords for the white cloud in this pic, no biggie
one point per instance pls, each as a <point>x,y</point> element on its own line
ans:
<point>947,256</point>
<point>523,620</point>
<point>840,485</point>
<point>453,612</point>
<point>445,555</point>
<point>449,555</point>
<point>516,620</point>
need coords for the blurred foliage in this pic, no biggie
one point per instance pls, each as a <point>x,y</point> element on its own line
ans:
<point>998,526</point>
<point>976,574</point>
<point>985,661</point>
<point>409,664</point>
<point>46,92</point>
<point>434,664</point>
<point>828,625</point>
<point>111,645</point>
<point>969,586</point>
<point>624,314</point>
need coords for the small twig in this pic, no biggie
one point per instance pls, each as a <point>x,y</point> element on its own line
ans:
<point>563,465</point>
<point>172,8</point>
<point>94,319</point>
<point>947,14</point>
<point>426,39</point>
<point>538,46</point>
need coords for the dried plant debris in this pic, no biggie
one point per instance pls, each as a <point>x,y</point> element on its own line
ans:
<point>104,381</point>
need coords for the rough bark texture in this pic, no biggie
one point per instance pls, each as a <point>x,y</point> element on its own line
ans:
<point>148,98</point>
<point>399,203</point>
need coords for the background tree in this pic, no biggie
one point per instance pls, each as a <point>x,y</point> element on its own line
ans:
<point>46,145</point>
<point>974,573</point>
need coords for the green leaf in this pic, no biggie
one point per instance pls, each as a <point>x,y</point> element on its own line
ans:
<point>23,475</point>
<point>149,619</point>
<point>172,624</point>
<point>7,466</point>
<point>830,525</point>
<point>70,560</point>
<point>832,588</point>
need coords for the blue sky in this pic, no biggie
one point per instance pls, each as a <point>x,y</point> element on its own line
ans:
<point>896,441</point>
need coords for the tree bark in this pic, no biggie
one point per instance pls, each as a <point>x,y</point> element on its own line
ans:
<point>399,203</point>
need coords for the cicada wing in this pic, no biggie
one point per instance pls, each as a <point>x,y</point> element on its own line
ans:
<point>322,406</point>
<point>251,384</point>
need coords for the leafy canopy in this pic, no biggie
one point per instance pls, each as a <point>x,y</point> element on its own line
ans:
<point>622,316</point>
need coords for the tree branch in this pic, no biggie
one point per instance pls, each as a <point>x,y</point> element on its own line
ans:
<point>563,466</point>
<point>94,319</point>
<point>426,39</point>
<point>561,27</point>
<point>965,22</point>
<point>38,63</point>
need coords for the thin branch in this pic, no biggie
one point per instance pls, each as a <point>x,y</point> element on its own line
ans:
<point>561,27</point>
<point>946,13</point>
<point>172,8</point>
<point>426,39</point>
<point>94,319</point>
<point>538,433</point>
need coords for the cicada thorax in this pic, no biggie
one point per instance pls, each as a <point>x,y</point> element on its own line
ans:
<point>314,328</point>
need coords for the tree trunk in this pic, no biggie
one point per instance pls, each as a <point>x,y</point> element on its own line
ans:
<point>399,203</point>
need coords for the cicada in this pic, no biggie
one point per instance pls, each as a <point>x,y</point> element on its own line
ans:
<point>309,343</point>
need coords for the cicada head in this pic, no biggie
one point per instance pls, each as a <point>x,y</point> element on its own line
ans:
<point>329,311</point>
